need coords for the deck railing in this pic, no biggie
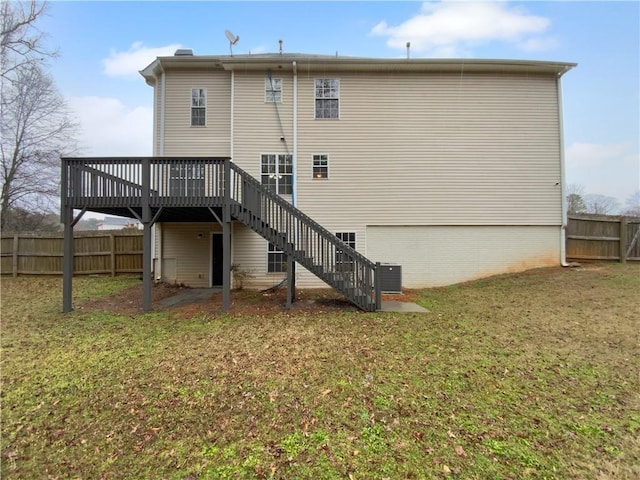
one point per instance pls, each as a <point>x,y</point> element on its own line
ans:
<point>119,182</point>
<point>181,182</point>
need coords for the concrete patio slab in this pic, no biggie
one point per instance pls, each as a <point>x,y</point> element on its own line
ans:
<point>402,307</point>
<point>189,296</point>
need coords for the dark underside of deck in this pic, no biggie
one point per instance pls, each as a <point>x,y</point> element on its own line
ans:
<point>168,214</point>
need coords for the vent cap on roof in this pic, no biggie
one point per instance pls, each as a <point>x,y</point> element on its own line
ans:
<point>184,52</point>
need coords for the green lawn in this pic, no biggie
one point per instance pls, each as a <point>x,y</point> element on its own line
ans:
<point>522,376</point>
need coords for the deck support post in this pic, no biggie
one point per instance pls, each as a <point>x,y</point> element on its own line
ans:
<point>147,222</point>
<point>291,281</point>
<point>226,238</point>
<point>67,260</point>
<point>378,286</point>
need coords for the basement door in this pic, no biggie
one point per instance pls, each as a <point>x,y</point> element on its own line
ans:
<point>216,259</point>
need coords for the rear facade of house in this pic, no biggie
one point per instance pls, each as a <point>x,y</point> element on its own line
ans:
<point>451,169</point>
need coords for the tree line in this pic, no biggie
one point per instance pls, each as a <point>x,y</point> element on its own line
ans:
<point>580,202</point>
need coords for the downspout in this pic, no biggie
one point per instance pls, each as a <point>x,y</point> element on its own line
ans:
<point>233,86</point>
<point>563,180</point>
<point>156,229</point>
<point>294,193</point>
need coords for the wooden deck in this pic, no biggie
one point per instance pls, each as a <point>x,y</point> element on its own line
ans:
<point>174,189</point>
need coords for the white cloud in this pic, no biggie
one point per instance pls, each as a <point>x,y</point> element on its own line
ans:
<point>452,27</point>
<point>593,155</point>
<point>129,63</point>
<point>110,128</point>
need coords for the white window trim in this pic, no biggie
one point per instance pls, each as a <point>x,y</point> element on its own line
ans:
<point>277,165</point>
<point>267,261</point>
<point>191,107</point>
<point>267,90</point>
<point>313,177</point>
<point>355,242</point>
<point>339,98</point>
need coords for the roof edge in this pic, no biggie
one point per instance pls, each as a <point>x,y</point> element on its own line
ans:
<point>328,63</point>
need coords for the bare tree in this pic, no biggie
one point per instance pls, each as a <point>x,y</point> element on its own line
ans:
<point>36,131</point>
<point>21,42</point>
<point>601,204</point>
<point>36,128</point>
<point>632,204</point>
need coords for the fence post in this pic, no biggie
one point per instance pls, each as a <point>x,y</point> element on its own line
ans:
<point>112,243</point>
<point>623,239</point>
<point>16,244</point>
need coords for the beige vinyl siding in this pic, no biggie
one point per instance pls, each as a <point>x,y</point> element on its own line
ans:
<point>187,248</point>
<point>256,127</point>
<point>250,255</point>
<point>181,139</point>
<point>441,255</point>
<point>424,157</point>
<point>446,149</point>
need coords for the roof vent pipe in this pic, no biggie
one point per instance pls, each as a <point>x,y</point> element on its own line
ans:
<point>408,50</point>
<point>280,42</point>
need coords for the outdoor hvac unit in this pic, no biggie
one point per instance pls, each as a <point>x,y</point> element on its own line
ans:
<point>390,278</point>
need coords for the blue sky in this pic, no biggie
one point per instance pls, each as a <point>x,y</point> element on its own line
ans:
<point>104,44</point>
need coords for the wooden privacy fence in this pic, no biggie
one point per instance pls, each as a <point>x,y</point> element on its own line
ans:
<point>603,237</point>
<point>110,253</point>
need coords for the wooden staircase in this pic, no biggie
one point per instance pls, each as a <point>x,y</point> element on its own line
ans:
<point>304,240</point>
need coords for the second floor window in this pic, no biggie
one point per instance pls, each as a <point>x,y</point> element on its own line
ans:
<point>327,98</point>
<point>198,107</point>
<point>276,171</point>
<point>272,90</point>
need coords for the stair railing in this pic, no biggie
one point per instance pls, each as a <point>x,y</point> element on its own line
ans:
<point>301,237</point>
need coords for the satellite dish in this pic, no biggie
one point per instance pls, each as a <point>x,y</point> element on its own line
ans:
<point>233,40</point>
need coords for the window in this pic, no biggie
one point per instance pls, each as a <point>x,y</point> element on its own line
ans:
<point>198,107</point>
<point>327,98</point>
<point>321,166</point>
<point>344,262</point>
<point>277,172</point>
<point>273,90</point>
<point>276,260</point>
<point>186,180</point>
